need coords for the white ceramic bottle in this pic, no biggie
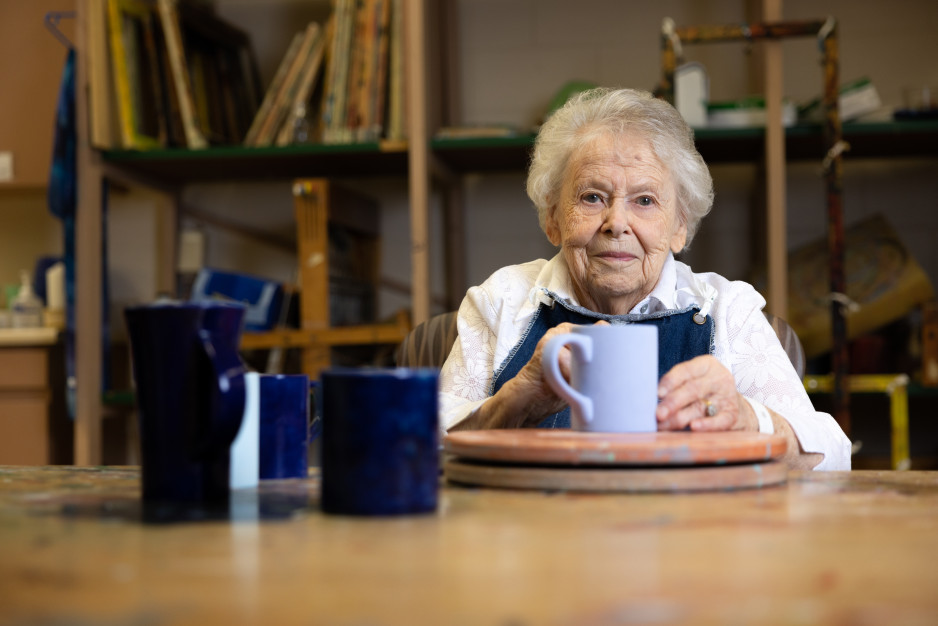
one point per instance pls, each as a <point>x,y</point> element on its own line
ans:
<point>26,307</point>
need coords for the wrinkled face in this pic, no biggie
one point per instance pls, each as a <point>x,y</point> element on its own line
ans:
<point>616,220</point>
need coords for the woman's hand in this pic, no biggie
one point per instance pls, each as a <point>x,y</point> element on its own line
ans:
<point>525,400</point>
<point>540,400</point>
<point>689,388</point>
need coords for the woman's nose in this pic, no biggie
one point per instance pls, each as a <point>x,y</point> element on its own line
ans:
<point>616,219</point>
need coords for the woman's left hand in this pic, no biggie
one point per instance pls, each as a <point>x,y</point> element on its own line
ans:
<point>702,393</point>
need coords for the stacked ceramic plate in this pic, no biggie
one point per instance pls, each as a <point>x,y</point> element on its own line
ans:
<point>627,462</point>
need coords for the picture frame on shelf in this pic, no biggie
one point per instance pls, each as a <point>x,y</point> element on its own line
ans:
<point>134,67</point>
<point>179,69</point>
<point>223,72</point>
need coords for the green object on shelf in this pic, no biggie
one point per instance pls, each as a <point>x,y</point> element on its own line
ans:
<point>569,89</point>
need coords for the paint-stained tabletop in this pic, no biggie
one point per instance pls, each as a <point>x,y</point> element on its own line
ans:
<point>823,548</point>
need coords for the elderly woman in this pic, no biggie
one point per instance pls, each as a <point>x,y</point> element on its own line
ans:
<point>620,188</point>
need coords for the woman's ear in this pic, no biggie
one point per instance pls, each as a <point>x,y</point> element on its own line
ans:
<point>679,238</point>
<point>551,227</point>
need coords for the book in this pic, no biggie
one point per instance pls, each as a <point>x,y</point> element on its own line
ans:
<point>270,95</point>
<point>284,97</point>
<point>200,96</point>
<point>219,57</point>
<point>153,100</point>
<point>104,132</point>
<point>304,90</point>
<point>183,86</point>
<point>356,52</point>
<point>379,84</point>
<point>128,22</point>
<point>396,117</point>
<point>175,133</point>
<point>336,93</point>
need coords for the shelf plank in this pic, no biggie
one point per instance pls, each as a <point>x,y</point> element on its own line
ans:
<point>180,166</point>
<point>338,336</point>
<point>495,154</point>
<point>716,145</point>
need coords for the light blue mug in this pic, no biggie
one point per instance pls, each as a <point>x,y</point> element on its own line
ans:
<point>613,377</point>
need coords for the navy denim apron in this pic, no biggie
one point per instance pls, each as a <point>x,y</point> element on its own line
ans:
<point>682,335</point>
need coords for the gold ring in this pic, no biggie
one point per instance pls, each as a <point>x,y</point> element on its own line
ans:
<point>710,409</point>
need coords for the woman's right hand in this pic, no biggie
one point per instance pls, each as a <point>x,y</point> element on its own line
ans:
<point>525,400</point>
<point>531,384</point>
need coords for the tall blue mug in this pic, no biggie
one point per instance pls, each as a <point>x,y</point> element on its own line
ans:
<point>189,382</point>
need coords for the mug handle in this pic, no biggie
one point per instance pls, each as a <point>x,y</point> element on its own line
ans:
<point>583,346</point>
<point>217,429</point>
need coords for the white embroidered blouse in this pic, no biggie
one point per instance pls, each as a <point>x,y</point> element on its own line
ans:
<point>493,316</point>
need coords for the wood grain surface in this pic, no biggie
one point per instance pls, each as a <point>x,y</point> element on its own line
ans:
<point>824,548</point>
<point>570,447</point>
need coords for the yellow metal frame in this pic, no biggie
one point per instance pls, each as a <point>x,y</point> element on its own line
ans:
<point>893,385</point>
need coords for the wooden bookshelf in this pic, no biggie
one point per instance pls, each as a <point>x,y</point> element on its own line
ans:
<point>170,169</point>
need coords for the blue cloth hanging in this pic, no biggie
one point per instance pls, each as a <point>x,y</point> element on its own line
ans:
<point>62,199</point>
<point>61,193</point>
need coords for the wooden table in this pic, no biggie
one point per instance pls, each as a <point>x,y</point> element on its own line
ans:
<point>826,548</point>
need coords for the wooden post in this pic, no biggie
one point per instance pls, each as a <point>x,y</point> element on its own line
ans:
<point>777,260</point>
<point>454,193</point>
<point>419,184</point>
<point>88,357</point>
<point>833,174</point>
<point>418,158</point>
<point>311,209</point>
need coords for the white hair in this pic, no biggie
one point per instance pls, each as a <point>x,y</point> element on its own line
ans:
<point>604,110</point>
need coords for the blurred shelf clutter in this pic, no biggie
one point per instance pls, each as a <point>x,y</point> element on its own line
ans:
<point>172,74</point>
<point>858,101</point>
<point>330,314</point>
<point>34,427</point>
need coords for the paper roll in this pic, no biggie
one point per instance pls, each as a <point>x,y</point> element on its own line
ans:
<point>55,287</point>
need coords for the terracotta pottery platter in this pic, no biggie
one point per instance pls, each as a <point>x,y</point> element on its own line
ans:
<point>569,447</point>
<point>618,479</point>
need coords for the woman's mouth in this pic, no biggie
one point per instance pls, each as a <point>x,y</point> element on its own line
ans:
<point>616,256</point>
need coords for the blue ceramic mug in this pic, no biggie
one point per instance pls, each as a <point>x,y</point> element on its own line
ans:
<point>190,396</point>
<point>380,451</point>
<point>284,426</point>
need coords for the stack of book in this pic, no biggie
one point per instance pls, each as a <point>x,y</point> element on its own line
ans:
<point>168,74</point>
<point>339,82</point>
<point>171,73</point>
<point>284,107</point>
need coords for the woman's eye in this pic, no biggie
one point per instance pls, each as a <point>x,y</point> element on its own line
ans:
<point>591,198</point>
<point>645,201</point>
